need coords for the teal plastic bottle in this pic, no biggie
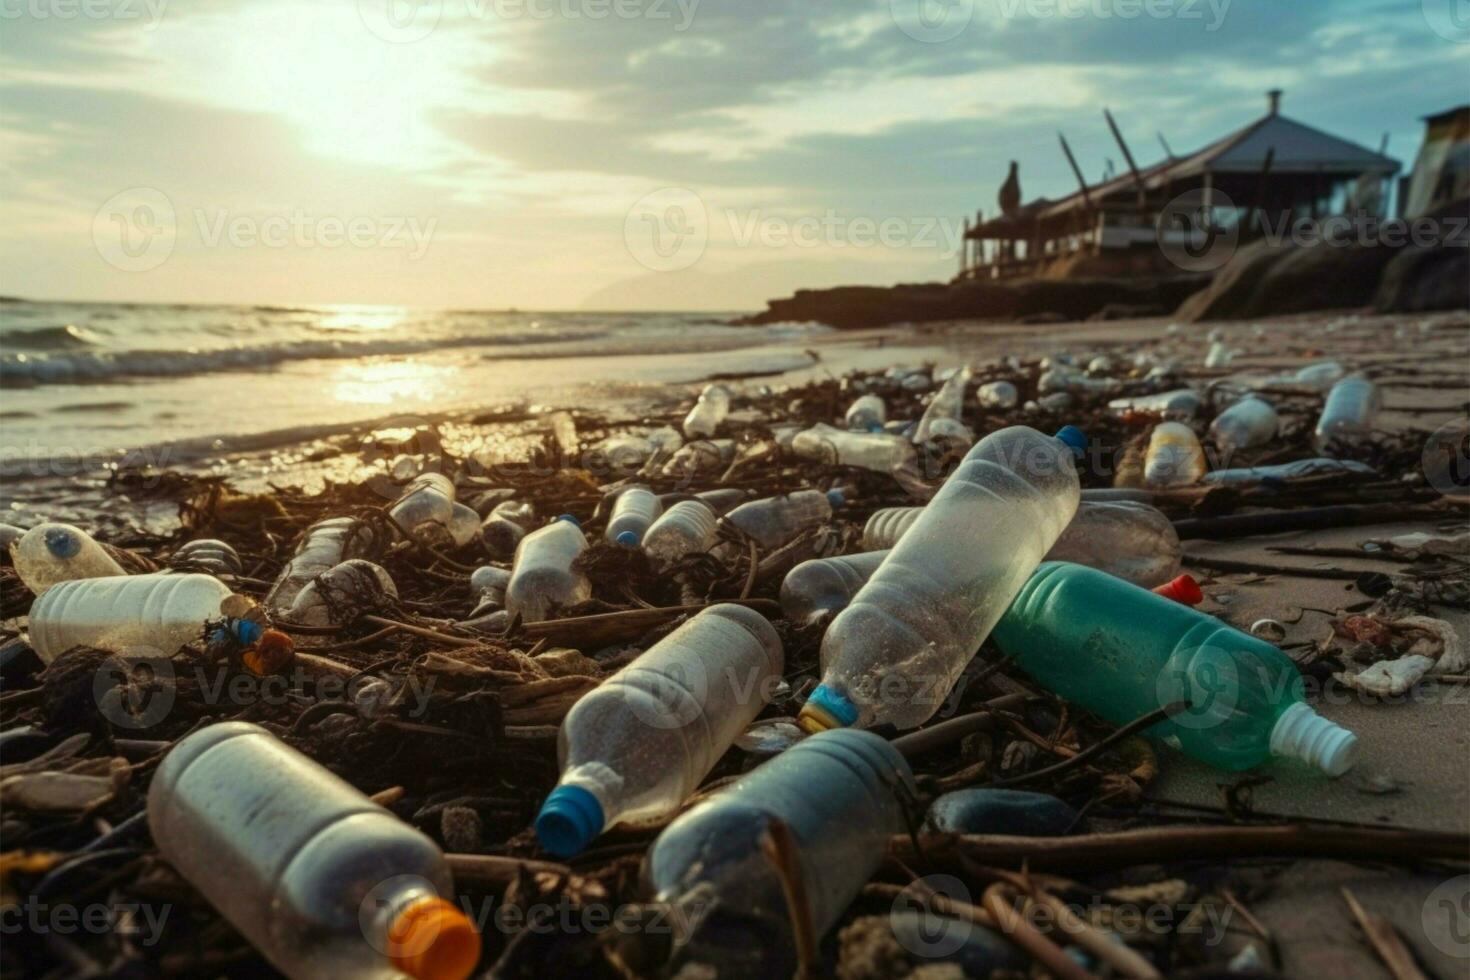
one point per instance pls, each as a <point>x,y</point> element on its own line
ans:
<point>1121,651</point>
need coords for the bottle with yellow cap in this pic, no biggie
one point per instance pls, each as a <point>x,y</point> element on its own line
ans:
<point>323,881</point>
<point>1174,458</point>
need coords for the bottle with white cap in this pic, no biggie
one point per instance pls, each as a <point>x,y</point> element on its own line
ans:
<point>687,527</point>
<point>773,521</point>
<point>1122,651</point>
<point>543,578</point>
<point>51,553</point>
<point>633,514</point>
<point>635,748</point>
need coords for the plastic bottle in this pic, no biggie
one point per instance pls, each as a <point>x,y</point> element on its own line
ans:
<point>1321,375</point>
<point>823,587</point>
<point>948,403</point>
<point>1219,356</point>
<point>426,509</point>
<point>1348,414</point>
<point>873,451</point>
<point>325,545</point>
<point>342,593</point>
<point>505,526</point>
<point>997,394</point>
<point>702,454</point>
<point>1182,404</point>
<point>840,795</point>
<point>1066,380</point>
<point>322,880</point>
<point>1289,471</point>
<point>886,526</point>
<point>543,578</point>
<point>633,514</point>
<point>635,748</point>
<point>708,412</point>
<point>139,616</point>
<point>464,524</point>
<point>687,527</point>
<point>895,652</point>
<point>867,414</point>
<point>9,535</point>
<point>722,500</point>
<point>207,555</point>
<point>1121,652</point>
<point>774,521</point>
<point>1132,541</point>
<point>52,553</point>
<point>1249,423</point>
<point>1174,458</point>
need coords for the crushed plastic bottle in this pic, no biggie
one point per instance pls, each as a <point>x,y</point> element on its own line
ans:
<point>773,521</point>
<point>708,412</point>
<point>822,587</point>
<point>1348,415</point>
<point>325,545</point>
<point>840,795</point>
<point>1175,457</point>
<point>997,394</point>
<point>505,526</point>
<point>873,451</point>
<point>136,616</point>
<point>700,456</point>
<point>866,414</point>
<point>1181,404</point>
<point>543,578</point>
<point>635,748</point>
<point>633,514</point>
<point>1121,652</point>
<point>489,584</point>
<point>685,528</point>
<point>338,596</point>
<point>948,403</point>
<point>896,651</point>
<point>207,555</point>
<point>322,880</point>
<point>1249,423</point>
<point>1282,472</point>
<point>52,553</point>
<point>425,509</point>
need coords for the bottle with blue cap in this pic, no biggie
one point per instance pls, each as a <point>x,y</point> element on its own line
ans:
<point>51,553</point>
<point>773,521</point>
<point>633,514</point>
<point>544,578</point>
<point>635,748</point>
<point>893,655</point>
<point>136,616</point>
<point>867,414</point>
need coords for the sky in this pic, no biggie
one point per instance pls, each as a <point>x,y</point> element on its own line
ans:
<point>624,154</point>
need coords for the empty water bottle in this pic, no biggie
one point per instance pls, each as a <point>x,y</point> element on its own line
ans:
<point>822,587</point>
<point>464,524</point>
<point>1321,375</point>
<point>426,509</point>
<point>543,578</point>
<point>722,500</point>
<point>997,394</point>
<point>322,880</point>
<point>489,583</point>
<point>1181,403</point>
<point>873,451</point>
<point>207,555</point>
<point>1219,356</point>
<point>342,593</point>
<point>1348,414</point>
<point>776,520</point>
<point>635,748</point>
<point>326,544</point>
<point>867,414</point>
<point>1175,457</point>
<point>139,616</point>
<point>1133,541</point>
<point>633,514</point>
<point>687,527</point>
<point>1249,423</point>
<point>839,795</point>
<point>505,526</point>
<point>708,412</point>
<point>948,403</point>
<point>886,526</point>
<point>895,652</point>
<point>696,457</point>
<point>1122,651</point>
<point>52,553</point>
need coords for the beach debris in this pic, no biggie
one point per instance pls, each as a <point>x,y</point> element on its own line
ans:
<point>505,526</point>
<point>545,577</point>
<point>1421,646</point>
<point>425,511</point>
<point>138,616</point>
<point>1001,811</point>
<point>997,395</point>
<point>1269,630</point>
<point>52,553</point>
<point>773,521</point>
<point>1182,589</point>
<point>324,545</point>
<point>704,419</point>
<point>342,594</point>
<point>1249,423</point>
<point>866,414</point>
<point>1348,415</point>
<point>1174,457</point>
<point>207,555</point>
<point>687,527</point>
<point>633,513</point>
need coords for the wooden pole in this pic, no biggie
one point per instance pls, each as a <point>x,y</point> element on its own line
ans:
<point>1127,154</point>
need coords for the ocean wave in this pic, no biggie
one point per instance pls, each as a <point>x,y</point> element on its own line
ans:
<point>60,337</point>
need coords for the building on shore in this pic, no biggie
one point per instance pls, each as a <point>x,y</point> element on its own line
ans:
<point>1441,173</point>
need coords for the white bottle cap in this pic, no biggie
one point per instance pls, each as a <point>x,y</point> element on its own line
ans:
<point>1301,733</point>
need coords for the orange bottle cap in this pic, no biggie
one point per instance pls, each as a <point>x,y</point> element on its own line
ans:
<point>433,940</point>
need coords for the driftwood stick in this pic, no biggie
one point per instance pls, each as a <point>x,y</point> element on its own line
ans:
<point>1313,519</point>
<point>494,869</point>
<point>1258,568</point>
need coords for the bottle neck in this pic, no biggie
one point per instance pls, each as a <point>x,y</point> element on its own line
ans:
<point>1300,733</point>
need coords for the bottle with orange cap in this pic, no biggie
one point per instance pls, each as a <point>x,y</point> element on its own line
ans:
<point>322,880</point>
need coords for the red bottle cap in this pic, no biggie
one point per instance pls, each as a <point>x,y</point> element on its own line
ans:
<point>1183,589</point>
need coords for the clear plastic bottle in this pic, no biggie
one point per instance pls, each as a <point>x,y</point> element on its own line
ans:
<point>997,394</point>
<point>841,797</point>
<point>633,514</point>
<point>1122,651</point>
<point>773,521</point>
<point>700,455</point>
<point>822,587</point>
<point>1219,356</point>
<point>708,412</point>
<point>1174,458</point>
<point>138,616</point>
<point>948,403</point>
<point>52,553</point>
<point>635,748</point>
<point>1348,415</point>
<point>722,500</point>
<point>325,545</point>
<point>207,555</point>
<point>685,528</point>
<point>895,652</point>
<point>505,525</point>
<point>867,414</point>
<point>322,880</point>
<point>9,535</point>
<point>886,526</point>
<point>543,578</point>
<point>1289,471</point>
<point>1065,380</point>
<point>1132,541</point>
<point>865,450</point>
<point>1249,423</point>
<point>1321,375</point>
<point>1182,404</point>
<point>464,524</point>
<point>426,509</point>
<point>489,583</point>
<point>342,593</point>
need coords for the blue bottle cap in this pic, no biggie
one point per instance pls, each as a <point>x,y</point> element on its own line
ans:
<point>875,427</point>
<point>569,820</point>
<point>1074,437</point>
<point>246,631</point>
<point>569,519</point>
<point>628,539</point>
<point>62,542</point>
<point>834,703</point>
<point>835,497</point>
